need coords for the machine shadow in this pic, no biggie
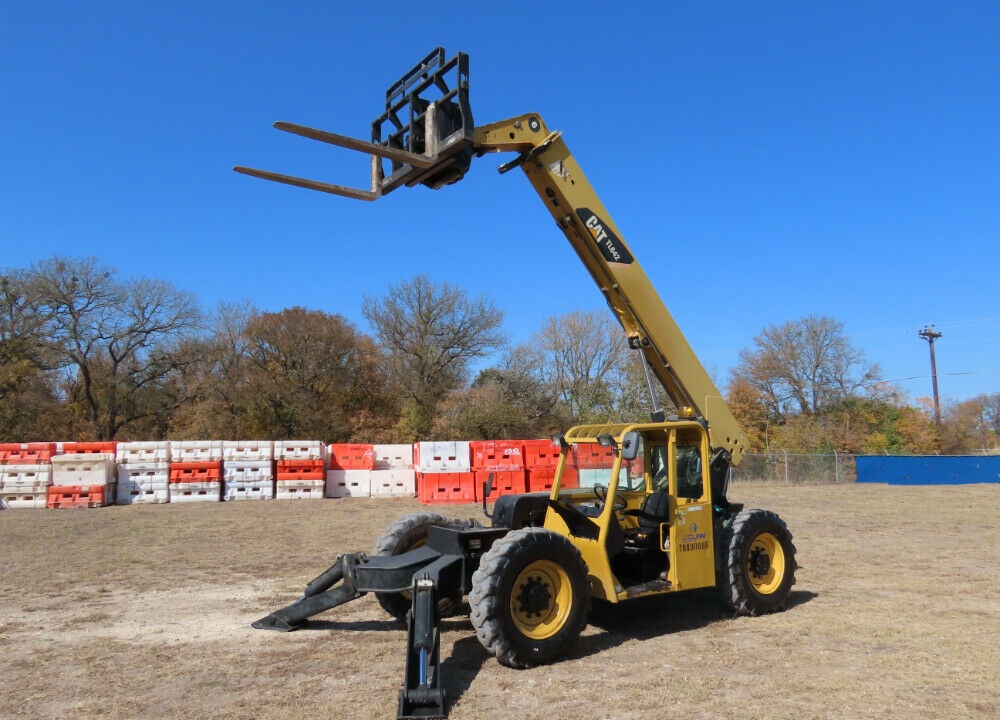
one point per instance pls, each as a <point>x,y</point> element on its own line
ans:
<point>646,618</point>
<point>460,668</point>
<point>460,624</point>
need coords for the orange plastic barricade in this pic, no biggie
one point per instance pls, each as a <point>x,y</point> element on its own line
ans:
<point>505,482</point>
<point>196,472</point>
<point>591,456</point>
<point>301,470</point>
<point>352,456</point>
<point>86,496</point>
<point>540,454</point>
<point>499,455</point>
<point>541,479</point>
<point>446,488</point>
<point>26,453</point>
<point>72,448</point>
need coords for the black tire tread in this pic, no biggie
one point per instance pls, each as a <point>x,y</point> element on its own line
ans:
<point>735,586</point>
<point>486,603</point>
<point>396,539</point>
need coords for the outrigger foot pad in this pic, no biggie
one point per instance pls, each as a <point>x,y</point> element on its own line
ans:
<point>273,622</point>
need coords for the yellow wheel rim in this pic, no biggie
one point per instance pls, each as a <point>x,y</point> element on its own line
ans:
<point>766,563</point>
<point>540,600</point>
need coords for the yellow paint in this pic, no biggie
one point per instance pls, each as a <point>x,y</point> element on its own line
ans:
<point>545,580</point>
<point>769,581</point>
<point>692,545</point>
<point>688,535</point>
<point>602,581</point>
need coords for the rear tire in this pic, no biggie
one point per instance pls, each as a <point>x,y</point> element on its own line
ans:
<point>405,534</point>
<point>530,597</point>
<point>759,567</point>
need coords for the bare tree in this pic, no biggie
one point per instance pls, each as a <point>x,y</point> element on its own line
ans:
<point>215,384</point>
<point>586,360</point>
<point>28,394</point>
<point>115,340</point>
<point>511,400</point>
<point>431,333</point>
<point>805,366</point>
<point>991,412</point>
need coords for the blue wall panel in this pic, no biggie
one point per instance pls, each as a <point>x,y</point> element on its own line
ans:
<point>928,469</point>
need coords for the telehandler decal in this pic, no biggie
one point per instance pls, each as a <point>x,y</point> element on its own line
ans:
<point>608,243</point>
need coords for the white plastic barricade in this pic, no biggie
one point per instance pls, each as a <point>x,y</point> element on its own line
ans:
<point>25,478</point>
<point>79,469</point>
<point>348,483</point>
<point>299,450</point>
<point>143,452</point>
<point>248,480</point>
<point>143,483</point>
<point>390,457</point>
<point>23,500</point>
<point>247,450</point>
<point>442,457</point>
<point>195,492</point>
<point>195,451</point>
<point>395,482</point>
<point>299,489</point>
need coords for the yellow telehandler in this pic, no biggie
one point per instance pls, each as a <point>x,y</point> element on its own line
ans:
<point>659,521</point>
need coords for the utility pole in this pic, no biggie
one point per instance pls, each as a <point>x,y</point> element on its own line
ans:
<point>930,335</point>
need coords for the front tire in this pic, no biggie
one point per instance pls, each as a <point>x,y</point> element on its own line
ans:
<point>760,564</point>
<point>530,597</point>
<point>408,533</point>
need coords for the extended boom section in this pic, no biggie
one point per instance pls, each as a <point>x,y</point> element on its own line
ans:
<point>426,136</point>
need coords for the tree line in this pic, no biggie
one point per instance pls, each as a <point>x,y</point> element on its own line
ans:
<point>85,354</point>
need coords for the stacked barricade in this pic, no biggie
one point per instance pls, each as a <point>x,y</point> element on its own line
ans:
<point>82,479</point>
<point>593,463</point>
<point>301,469</point>
<point>25,474</point>
<point>394,475</point>
<point>85,474</point>
<point>88,448</point>
<point>195,471</point>
<point>444,472</point>
<point>143,473</point>
<point>541,459</point>
<point>503,460</point>
<point>248,470</point>
<point>351,468</point>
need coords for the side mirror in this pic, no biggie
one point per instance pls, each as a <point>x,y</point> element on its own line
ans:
<point>630,445</point>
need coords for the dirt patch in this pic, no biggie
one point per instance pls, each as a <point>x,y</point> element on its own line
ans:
<point>137,612</point>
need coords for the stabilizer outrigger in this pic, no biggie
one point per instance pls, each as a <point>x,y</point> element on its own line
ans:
<point>441,568</point>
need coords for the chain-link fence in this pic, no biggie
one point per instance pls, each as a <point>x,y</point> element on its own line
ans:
<point>795,468</point>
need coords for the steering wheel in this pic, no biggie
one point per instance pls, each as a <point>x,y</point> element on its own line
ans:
<point>601,491</point>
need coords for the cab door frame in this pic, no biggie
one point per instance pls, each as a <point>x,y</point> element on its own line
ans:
<point>690,541</point>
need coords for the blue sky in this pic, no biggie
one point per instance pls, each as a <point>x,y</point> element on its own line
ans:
<point>765,161</point>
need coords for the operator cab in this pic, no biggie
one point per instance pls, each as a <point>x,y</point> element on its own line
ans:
<point>654,510</point>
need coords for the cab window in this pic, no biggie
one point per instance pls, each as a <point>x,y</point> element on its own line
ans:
<point>659,467</point>
<point>689,476</point>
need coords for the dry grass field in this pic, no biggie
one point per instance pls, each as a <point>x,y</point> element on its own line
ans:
<point>145,611</point>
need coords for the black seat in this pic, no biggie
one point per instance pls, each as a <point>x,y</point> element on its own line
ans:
<point>654,511</point>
